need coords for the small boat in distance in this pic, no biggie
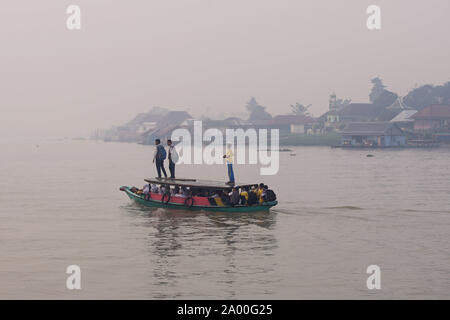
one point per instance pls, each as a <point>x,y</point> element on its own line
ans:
<point>192,201</point>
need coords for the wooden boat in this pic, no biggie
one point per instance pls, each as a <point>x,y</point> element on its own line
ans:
<point>192,202</point>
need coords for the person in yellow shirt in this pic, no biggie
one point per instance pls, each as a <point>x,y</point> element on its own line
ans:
<point>259,192</point>
<point>244,196</point>
<point>260,189</point>
<point>229,158</point>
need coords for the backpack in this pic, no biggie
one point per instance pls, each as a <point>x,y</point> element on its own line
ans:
<point>270,196</point>
<point>162,154</point>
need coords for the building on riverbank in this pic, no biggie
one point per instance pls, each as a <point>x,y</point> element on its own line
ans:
<point>337,118</point>
<point>434,118</point>
<point>358,112</point>
<point>290,123</point>
<point>165,126</point>
<point>373,134</point>
<point>404,120</point>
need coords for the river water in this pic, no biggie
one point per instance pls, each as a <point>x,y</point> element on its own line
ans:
<point>339,212</point>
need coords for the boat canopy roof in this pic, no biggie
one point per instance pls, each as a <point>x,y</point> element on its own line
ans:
<point>202,184</point>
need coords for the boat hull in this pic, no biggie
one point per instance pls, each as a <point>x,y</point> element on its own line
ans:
<point>159,204</point>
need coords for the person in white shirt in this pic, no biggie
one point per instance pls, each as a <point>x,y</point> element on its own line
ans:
<point>173,158</point>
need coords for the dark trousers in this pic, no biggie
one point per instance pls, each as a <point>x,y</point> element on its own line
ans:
<point>159,167</point>
<point>172,169</point>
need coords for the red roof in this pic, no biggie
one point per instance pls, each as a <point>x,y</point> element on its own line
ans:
<point>433,112</point>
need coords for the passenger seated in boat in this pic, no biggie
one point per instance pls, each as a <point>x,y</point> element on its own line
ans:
<point>146,189</point>
<point>225,198</point>
<point>184,192</point>
<point>263,194</point>
<point>162,189</point>
<point>175,191</point>
<point>199,193</point>
<point>244,196</point>
<point>216,194</point>
<point>260,190</point>
<point>234,197</point>
<point>154,188</point>
<point>252,197</point>
<point>216,199</point>
<point>269,195</point>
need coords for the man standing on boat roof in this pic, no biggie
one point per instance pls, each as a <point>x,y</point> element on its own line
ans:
<point>229,157</point>
<point>159,156</point>
<point>173,158</point>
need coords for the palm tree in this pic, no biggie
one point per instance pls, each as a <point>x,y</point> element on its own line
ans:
<point>300,110</point>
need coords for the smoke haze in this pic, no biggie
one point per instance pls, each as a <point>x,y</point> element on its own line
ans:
<point>205,56</point>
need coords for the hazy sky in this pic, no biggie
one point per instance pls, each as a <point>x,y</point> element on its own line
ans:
<point>206,56</point>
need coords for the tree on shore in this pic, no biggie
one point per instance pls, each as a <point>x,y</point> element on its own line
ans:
<point>257,111</point>
<point>379,96</point>
<point>427,95</point>
<point>385,99</point>
<point>158,110</point>
<point>377,89</point>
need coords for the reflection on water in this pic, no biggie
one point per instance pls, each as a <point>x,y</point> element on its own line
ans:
<point>177,235</point>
